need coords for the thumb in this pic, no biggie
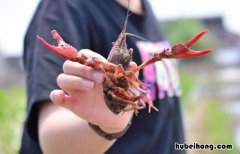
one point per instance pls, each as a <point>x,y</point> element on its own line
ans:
<point>59,97</point>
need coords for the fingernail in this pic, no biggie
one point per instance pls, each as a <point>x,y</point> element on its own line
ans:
<point>88,84</point>
<point>98,76</point>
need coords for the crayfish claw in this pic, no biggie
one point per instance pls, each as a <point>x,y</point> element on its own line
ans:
<point>182,50</point>
<point>63,49</point>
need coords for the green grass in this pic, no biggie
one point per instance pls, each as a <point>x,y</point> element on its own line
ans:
<point>219,127</point>
<point>12,111</point>
<point>188,83</point>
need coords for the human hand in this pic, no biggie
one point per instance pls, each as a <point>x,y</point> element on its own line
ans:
<point>82,93</point>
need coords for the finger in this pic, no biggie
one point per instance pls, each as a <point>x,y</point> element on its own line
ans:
<point>91,54</point>
<point>72,83</point>
<point>134,65</point>
<point>74,68</point>
<point>59,97</point>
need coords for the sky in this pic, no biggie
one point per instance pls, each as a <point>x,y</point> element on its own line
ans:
<point>15,16</point>
<point>228,9</point>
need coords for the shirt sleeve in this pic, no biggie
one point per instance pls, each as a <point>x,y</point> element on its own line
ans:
<point>41,65</point>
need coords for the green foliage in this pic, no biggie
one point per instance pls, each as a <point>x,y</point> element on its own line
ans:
<point>219,126</point>
<point>12,111</point>
<point>188,83</point>
<point>181,30</point>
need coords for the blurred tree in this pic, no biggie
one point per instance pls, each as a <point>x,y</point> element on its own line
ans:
<point>181,30</point>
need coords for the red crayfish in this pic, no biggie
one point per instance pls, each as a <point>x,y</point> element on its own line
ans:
<point>120,84</point>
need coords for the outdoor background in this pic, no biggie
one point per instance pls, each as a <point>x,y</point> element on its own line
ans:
<point>210,84</point>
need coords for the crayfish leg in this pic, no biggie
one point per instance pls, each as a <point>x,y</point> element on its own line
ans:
<point>127,100</point>
<point>135,108</point>
<point>155,57</point>
<point>129,75</point>
<point>150,103</point>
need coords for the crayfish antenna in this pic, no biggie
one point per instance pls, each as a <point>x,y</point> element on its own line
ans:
<point>139,37</point>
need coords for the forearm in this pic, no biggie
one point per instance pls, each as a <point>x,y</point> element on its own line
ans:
<point>61,131</point>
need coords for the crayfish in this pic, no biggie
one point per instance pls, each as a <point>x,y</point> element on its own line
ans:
<point>120,83</point>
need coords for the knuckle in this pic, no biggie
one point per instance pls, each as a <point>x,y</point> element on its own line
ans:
<point>85,51</point>
<point>92,54</point>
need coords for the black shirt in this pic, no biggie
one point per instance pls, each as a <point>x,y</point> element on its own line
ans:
<point>95,24</point>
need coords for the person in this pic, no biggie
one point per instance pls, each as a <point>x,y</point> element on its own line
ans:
<point>63,97</point>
